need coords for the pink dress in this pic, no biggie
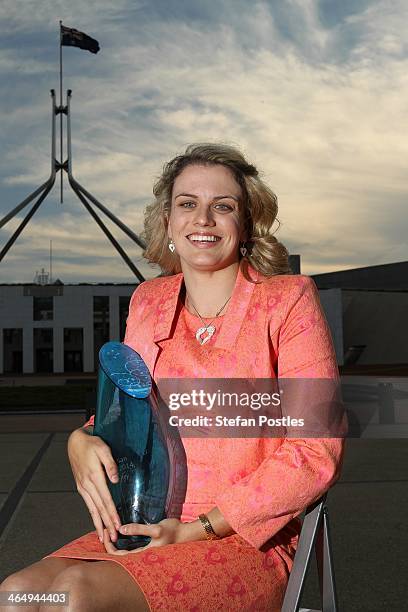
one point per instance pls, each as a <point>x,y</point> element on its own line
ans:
<point>265,483</point>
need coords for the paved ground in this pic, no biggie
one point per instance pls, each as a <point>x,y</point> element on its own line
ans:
<point>40,510</point>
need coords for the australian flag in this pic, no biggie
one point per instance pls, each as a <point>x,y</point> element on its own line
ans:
<point>75,38</point>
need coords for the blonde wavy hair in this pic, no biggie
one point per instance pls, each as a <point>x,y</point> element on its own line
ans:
<point>258,211</point>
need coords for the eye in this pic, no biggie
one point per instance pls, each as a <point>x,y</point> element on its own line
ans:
<point>187,204</point>
<point>222,207</point>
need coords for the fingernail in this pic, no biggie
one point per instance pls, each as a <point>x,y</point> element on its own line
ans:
<point>115,478</point>
<point>101,538</point>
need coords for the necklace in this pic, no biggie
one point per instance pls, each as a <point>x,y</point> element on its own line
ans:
<point>208,329</point>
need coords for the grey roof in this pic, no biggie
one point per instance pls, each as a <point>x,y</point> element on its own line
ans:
<point>385,277</point>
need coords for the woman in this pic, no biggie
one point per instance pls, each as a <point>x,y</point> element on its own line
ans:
<point>230,308</point>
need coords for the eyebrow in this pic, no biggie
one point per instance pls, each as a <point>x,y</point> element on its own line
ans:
<point>220,197</point>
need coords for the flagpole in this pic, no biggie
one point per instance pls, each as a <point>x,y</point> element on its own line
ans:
<point>61,126</point>
<point>50,261</point>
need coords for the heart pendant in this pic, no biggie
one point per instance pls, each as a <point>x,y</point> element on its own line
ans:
<point>210,332</point>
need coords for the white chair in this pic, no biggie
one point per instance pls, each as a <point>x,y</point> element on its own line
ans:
<point>314,535</point>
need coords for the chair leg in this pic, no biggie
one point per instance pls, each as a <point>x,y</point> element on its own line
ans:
<point>325,566</point>
<point>303,555</point>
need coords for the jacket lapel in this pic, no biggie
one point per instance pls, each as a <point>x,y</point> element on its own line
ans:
<point>232,321</point>
<point>236,310</point>
<point>166,307</point>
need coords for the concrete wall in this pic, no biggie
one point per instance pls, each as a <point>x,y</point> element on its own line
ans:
<point>378,319</point>
<point>331,300</point>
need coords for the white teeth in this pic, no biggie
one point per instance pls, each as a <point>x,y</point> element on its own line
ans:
<point>198,238</point>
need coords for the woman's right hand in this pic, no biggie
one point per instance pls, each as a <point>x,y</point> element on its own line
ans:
<point>91,460</point>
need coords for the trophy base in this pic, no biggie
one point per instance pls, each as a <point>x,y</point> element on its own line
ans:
<point>131,542</point>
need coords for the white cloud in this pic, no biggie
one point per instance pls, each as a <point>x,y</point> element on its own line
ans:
<point>14,64</point>
<point>381,31</point>
<point>27,15</point>
<point>329,136</point>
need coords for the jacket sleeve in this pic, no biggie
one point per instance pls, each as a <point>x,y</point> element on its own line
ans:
<point>301,469</point>
<point>131,307</point>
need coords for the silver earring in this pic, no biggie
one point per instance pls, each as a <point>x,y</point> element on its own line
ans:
<point>243,250</point>
<point>172,246</point>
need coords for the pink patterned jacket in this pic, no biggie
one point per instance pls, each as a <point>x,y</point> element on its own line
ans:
<point>273,328</point>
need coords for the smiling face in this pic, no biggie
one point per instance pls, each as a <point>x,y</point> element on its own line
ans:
<point>204,220</point>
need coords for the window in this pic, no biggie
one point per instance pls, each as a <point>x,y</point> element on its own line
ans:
<point>43,308</point>
<point>43,350</point>
<point>101,324</point>
<point>13,350</point>
<point>123,314</point>
<point>73,349</point>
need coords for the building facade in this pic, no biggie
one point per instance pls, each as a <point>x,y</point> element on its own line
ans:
<point>374,307</point>
<point>59,328</point>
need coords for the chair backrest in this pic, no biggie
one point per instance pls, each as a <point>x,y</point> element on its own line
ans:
<point>314,535</point>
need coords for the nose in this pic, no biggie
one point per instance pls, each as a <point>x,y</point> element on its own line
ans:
<point>204,216</point>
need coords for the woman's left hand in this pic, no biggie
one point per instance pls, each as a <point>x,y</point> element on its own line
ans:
<point>168,531</point>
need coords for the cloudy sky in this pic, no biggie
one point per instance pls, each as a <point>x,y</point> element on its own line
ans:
<point>315,92</point>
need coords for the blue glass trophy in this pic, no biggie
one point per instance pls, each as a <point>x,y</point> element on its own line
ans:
<point>150,458</point>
